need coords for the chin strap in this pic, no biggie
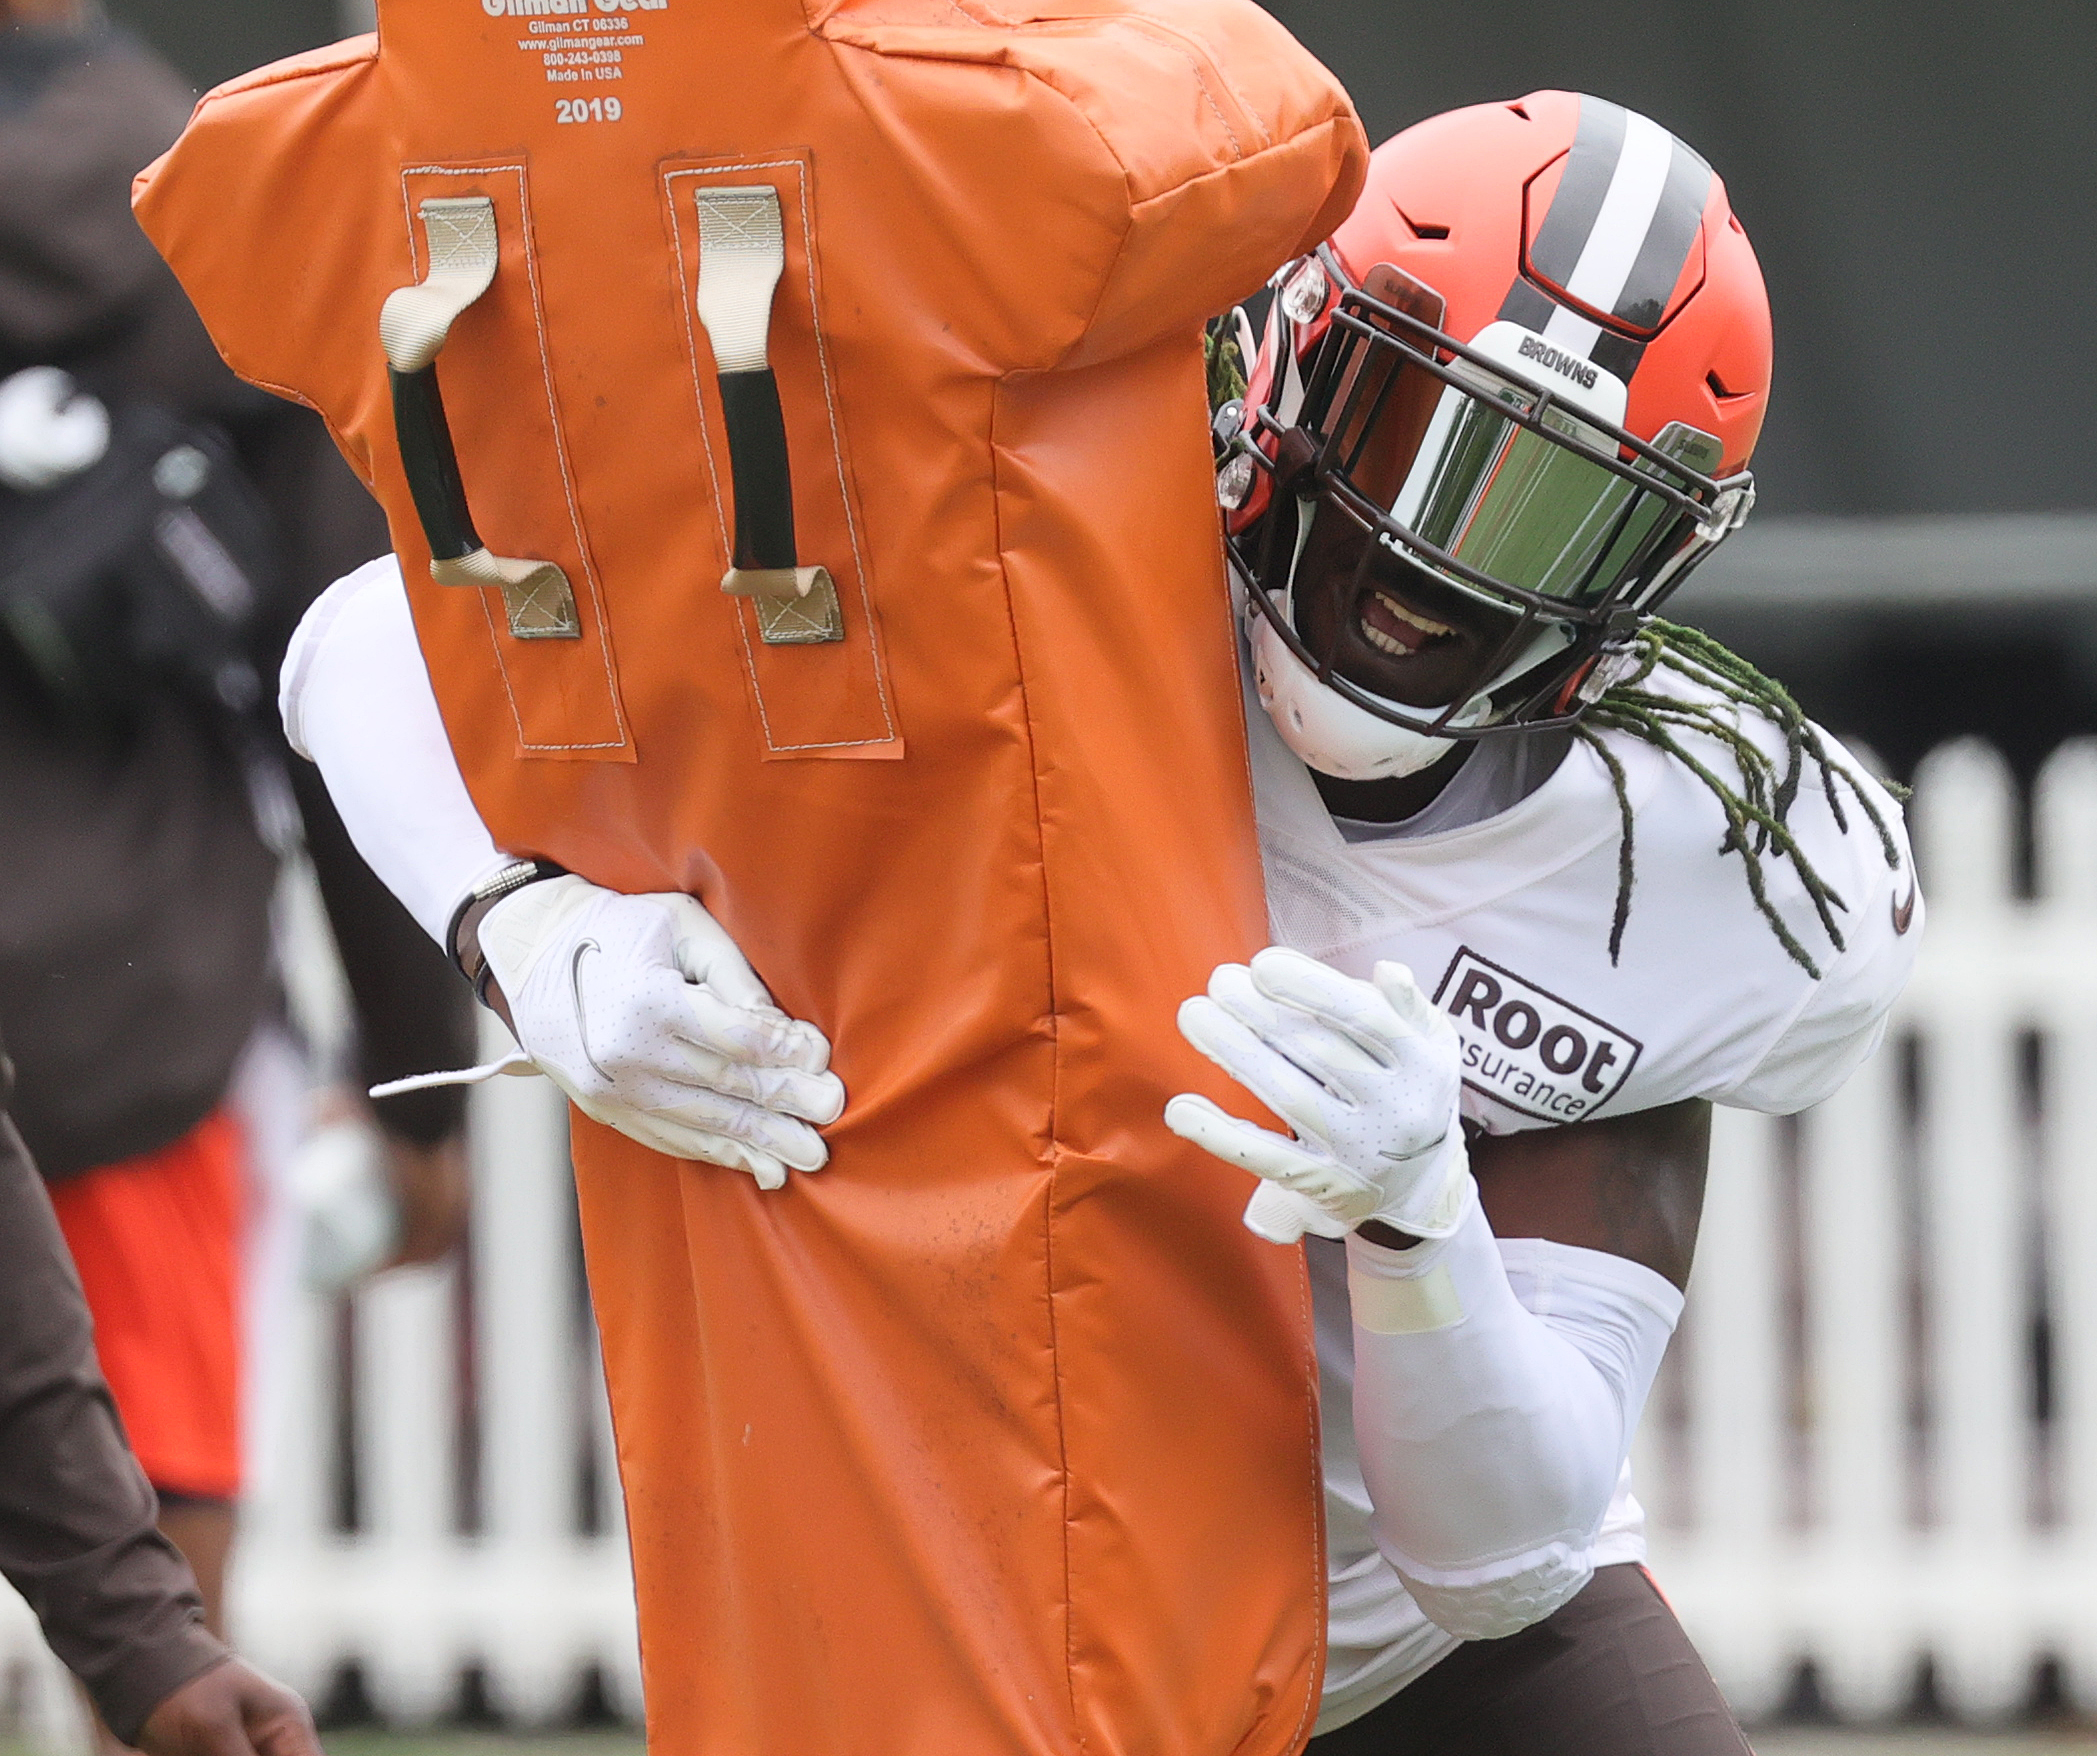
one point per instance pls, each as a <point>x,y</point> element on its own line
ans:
<point>1306,513</point>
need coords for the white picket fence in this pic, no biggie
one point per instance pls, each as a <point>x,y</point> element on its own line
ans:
<point>1849,1463</point>
<point>1846,1462</point>
<point>487,1528</point>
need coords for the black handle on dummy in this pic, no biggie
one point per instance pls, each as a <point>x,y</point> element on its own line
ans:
<point>433,467</point>
<point>757,460</point>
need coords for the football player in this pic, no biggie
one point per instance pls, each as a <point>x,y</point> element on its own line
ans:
<point>1549,877</point>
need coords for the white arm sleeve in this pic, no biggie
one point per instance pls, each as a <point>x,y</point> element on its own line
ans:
<point>357,702</point>
<point>1496,1390</point>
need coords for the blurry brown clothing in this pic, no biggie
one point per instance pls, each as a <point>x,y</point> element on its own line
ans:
<point>134,885</point>
<point>77,1534</point>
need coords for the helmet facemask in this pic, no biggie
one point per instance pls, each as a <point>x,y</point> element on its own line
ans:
<point>1458,536</point>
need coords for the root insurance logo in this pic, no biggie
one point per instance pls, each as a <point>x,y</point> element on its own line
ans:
<point>1526,1048</point>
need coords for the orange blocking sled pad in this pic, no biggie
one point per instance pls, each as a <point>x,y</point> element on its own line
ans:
<point>997,1437</point>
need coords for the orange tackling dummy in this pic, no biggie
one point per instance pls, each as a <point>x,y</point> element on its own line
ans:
<point>998,1435</point>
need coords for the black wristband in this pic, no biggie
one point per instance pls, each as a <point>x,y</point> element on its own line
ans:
<point>492,889</point>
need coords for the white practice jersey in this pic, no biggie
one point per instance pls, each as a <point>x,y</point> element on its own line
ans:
<point>1505,919</point>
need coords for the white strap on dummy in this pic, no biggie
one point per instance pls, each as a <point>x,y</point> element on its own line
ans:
<point>742,254</point>
<point>539,588</point>
<point>414,324</point>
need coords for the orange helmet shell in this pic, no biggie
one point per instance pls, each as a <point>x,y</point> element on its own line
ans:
<point>1462,202</point>
<point>1532,363</point>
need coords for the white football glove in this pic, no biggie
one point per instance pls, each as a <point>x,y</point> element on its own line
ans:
<point>643,1011</point>
<point>1368,1074</point>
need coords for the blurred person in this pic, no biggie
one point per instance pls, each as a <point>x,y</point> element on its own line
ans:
<point>77,1537</point>
<point>1493,425</point>
<point>162,526</point>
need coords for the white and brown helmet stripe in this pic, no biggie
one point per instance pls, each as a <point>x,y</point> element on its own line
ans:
<point>1615,238</point>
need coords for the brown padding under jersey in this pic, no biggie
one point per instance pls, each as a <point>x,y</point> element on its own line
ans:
<point>1612,1673</point>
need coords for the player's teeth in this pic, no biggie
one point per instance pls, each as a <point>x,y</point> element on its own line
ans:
<point>1390,643</point>
<point>1406,616</point>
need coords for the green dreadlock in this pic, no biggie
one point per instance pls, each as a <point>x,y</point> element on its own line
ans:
<point>1756,814</point>
<point>1226,363</point>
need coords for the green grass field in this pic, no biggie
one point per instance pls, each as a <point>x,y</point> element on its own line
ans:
<point>1792,1741</point>
<point>479,1743</point>
<point>1788,1741</point>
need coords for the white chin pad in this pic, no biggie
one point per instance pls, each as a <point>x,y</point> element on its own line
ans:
<point>1326,730</point>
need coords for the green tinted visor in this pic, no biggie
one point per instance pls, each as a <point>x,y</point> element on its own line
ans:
<point>1525,496</point>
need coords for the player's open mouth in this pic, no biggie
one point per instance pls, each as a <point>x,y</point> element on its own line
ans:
<point>1390,627</point>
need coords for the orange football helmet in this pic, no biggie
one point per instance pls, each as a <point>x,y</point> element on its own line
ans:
<point>1530,368</point>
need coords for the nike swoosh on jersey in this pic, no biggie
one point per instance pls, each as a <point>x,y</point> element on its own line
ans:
<point>1904,910</point>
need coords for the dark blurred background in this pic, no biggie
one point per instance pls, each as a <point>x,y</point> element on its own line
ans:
<point>1917,176</point>
<point>211,40</point>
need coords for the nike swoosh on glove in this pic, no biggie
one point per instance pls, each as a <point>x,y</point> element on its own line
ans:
<point>1367,1074</point>
<point>643,1011</point>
